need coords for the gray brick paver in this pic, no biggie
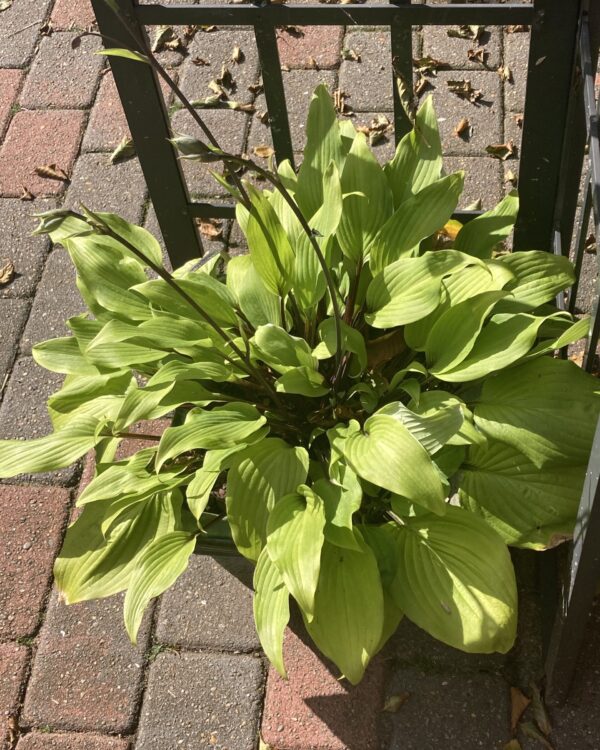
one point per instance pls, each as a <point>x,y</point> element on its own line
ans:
<point>19,30</point>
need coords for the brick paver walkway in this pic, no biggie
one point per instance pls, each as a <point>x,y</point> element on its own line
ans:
<point>69,678</point>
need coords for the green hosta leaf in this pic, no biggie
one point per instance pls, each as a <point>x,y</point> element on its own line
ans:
<point>106,276</point>
<point>78,390</point>
<point>109,350</point>
<point>93,564</point>
<point>269,246</point>
<point>348,608</point>
<point>389,456</point>
<point>303,381</point>
<point>257,480</point>
<point>341,499</point>
<point>323,146</point>
<point>271,609</point>
<point>418,217</point>
<point>433,402</point>
<point>222,427</point>
<point>139,237</point>
<point>52,452</point>
<point>257,302</point>
<point>453,335</point>
<point>418,159</point>
<point>481,235</point>
<point>504,340</point>
<point>574,332</point>
<point>156,569</point>
<point>539,277</point>
<point>432,430</point>
<point>363,213</point>
<point>527,506</point>
<point>133,477</point>
<point>209,294</point>
<point>63,355</point>
<point>353,341</point>
<point>282,351</point>
<point>410,288</point>
<point>294,542</point>
<point>546,408</point>
<point>456,581</point>
<point>382,542</point>
<point>309,283</point>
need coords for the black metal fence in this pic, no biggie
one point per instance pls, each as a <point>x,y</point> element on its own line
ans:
<point>560,118</point>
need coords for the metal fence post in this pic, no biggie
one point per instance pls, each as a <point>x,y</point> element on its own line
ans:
<point>148,122</point>
<point>550,74</point>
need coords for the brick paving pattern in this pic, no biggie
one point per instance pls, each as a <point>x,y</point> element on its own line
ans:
<point>69,678</point>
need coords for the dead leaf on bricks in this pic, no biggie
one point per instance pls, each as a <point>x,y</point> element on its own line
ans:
<point>590,244</point>
<point>466,32</point>
<point>376,130</point>
<point>256,89</point>
<point>428,65</point>
<point>463,129</point>
<point>237,56</point>
<point>52,172</point>
<point>530,730</point>
<point>125,150</point>
<point>5,4</point>
<point>263,117</point>
<point>518,120</point>
<point>263,152</point>
<point>26,194</point>
<point>7,271</point>
<point>350,55</point>
<point>464,89</point>
<point>46,29</point>
<point>189,32</point>
<point>208,29</point>
<point>505,73</point>
<point>312,63</point>
<point>510,176</point>
<point>176,45</point>
<point>516,28</point>
<point>339,102</point>
<point>513,745</point>
<point>212,229</point>
<point>502,151</point>
<point>12,723</point>
<point>478,54</point>
<point>225,79</point>
<point>163,34</point>
<point>422,85</point>
<point>395,702</point>
<point>518,704</point>
<point>294,31</point>
<point>199,61</point>
<point>539,710</point>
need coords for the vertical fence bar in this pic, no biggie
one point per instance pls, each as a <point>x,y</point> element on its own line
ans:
<point>402,68</point>
<point>268,55</point>
<point>148,122</point>
<point>550,74</point>
<point>584,219</point>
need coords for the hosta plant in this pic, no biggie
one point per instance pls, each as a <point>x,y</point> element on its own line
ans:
<point>373,390</point>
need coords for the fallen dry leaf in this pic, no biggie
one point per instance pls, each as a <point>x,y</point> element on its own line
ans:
<point>350,54</point>
<point>312,63</point>
<point>464,89</point>
<point>211,228</point>
<point>237,56</point>
<point>466,32</point>
<point>421,85</point>
<point>463,129</point>
<point>225,78</point>
<point>7,272</point>
<point>176,45</point>
<point>208,29</point>
<point>590,244</point>
<point>46,29</point>
<point>518,704</point>
<point>12,723</point>
<point>395,702</point>
<point>52,172</point>
<point>539,710</point>
<point>475,206</point>
<point>428,65</point>
<point>519,120</point>
<point>163,34</point>
<point>501,151</point>
<point>5,4</point>
<point>294,31</point>
<point>256,88</point>
<point>263,117</point>
<point>263,152</point>
<point>513,745</point>
<point>530,730</point>
<point>217,89</point>
<point>510,176</point>
<point>339,101</point>
<point>189,32</point>
<point>285,68</point>
<point>478,54</point>
<point>505,73</point>
<point>125,150</point>
<point>516,28</point>
<point>200,61</point>
<point>26,194</point>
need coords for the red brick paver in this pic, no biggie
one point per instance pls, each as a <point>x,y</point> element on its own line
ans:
<point>37,139</point>
<point>13,664</point>
<point>31,529</point>
<point>313,709</point>
<point>72,14</point>
<point>321,44</point>
<point>44,741</point>
<point>10,80</point>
